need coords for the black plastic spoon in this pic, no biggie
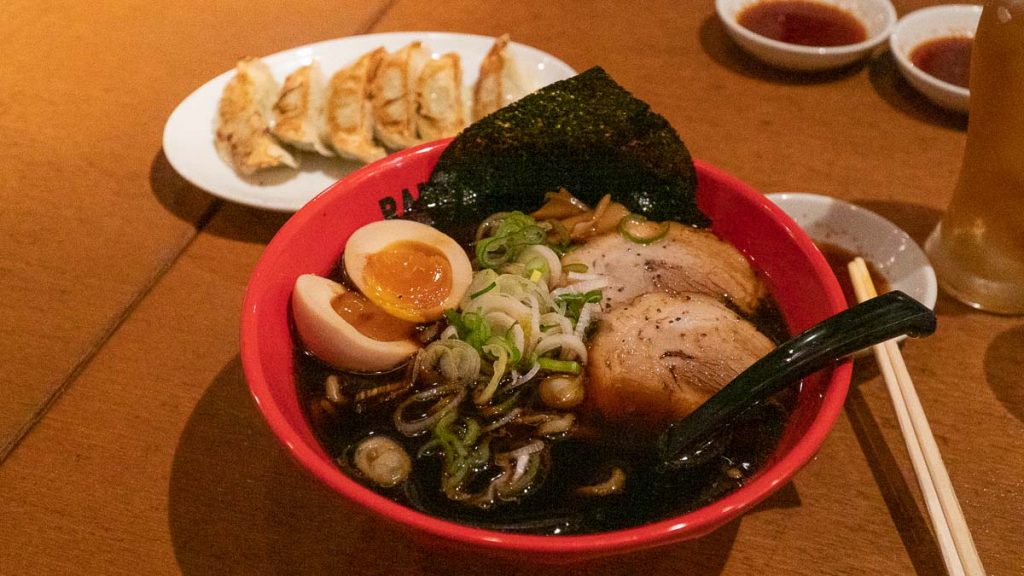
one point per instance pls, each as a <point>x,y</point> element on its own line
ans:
<point>866,324</point>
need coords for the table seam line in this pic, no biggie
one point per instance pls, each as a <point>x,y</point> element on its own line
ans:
<point>65,382</point>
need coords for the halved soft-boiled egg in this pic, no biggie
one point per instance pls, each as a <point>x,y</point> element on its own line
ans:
<point>346,330</point>
<point>411,270</point>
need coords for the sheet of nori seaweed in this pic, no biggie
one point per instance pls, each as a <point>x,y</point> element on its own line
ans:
<point>586,134</point>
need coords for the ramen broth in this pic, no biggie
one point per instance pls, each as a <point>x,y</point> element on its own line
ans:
<point>555,507</point>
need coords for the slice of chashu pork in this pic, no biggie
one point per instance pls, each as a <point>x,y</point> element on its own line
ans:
<point>685,260</point>
<point>658,358</point>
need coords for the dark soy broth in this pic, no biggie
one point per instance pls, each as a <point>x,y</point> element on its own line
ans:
<point>947,58</point>
<point>556,507</point>
<point>838,258</point>
<point>803,22</point>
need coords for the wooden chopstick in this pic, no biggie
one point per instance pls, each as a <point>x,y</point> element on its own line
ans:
<point>951,531</point>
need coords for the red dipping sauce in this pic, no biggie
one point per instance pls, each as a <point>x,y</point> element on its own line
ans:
<point>947,58</point>
<point>803,22</point>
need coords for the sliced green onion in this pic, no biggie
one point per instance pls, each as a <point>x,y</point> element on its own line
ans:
<point>458,444</point>
<point>513,232</point>
<point>537,264</point>
<point>471,328</point>
<point>428,448</point>
<point>638,229</point>
<point>472,431</point>
<point>447,402</point>
<point>492,252</point>
<point>483,291</point>
<point>496,410</point>
<point>483,395</point>
<point>555,365</point>
<point>455,360</point>
<point>481,452</point>
<point>578,267</point>
<point>529,235</point>
<point>449,439</point>
<point>515,354</point>
<point>518,478</point>
<point>574,303</point>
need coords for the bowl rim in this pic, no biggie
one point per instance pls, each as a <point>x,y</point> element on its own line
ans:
<point>889,11</point>
<point>696,523</point>
<point>903,56</point>
<point>792,199</point>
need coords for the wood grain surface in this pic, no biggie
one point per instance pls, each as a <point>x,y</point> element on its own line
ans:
<point>128,441</point>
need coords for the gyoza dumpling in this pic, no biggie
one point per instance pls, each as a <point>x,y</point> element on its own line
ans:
<point>500,82</point>
<point>349,112</point>
<point>243,136</point>
<point>298,113</point>
<point>394,96</point>
<point>439,98</point>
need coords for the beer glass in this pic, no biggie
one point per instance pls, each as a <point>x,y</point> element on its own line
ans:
<point>977,249</point>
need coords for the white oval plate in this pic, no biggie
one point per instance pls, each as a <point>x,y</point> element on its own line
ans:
<point>188,134</point>
<point>859,230</point>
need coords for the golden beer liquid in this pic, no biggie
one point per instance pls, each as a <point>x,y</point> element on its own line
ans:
<point>978,248</point>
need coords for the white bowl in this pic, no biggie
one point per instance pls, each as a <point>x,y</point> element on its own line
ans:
<point>877,16</point>
<point>926,24</point>
<point>892,251</point>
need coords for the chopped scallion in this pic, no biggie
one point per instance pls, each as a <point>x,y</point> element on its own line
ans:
<point>638,229</point>
<point>555,365</point>
<point>483,291</point>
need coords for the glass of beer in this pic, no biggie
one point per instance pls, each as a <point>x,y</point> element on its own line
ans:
<point>977,249</point>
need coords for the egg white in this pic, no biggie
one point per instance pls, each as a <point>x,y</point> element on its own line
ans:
<point>329,337</point>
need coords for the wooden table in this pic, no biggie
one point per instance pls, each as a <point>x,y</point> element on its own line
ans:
<point>128,441</point>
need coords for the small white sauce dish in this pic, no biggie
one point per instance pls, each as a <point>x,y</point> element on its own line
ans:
<point>858,230</point>
<point>926,24</point>
<point>877,16</point>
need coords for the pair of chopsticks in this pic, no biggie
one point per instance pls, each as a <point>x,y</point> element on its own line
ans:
<point>951,531</point>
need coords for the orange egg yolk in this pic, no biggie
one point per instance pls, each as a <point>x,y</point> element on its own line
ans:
<point>369,319</point>
<point>408,278</point>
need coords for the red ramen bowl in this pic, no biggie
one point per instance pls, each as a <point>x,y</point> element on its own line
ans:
<point>801,282</point>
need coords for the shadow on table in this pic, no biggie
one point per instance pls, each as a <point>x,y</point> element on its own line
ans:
<point>239,504</point>
<point>177,195</point>
<point>724,51</point>
<point>1002,370</point>
<point>913,527</point>
<point>195,206</point>
<point>883,73</point>
<point>897,92</point>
